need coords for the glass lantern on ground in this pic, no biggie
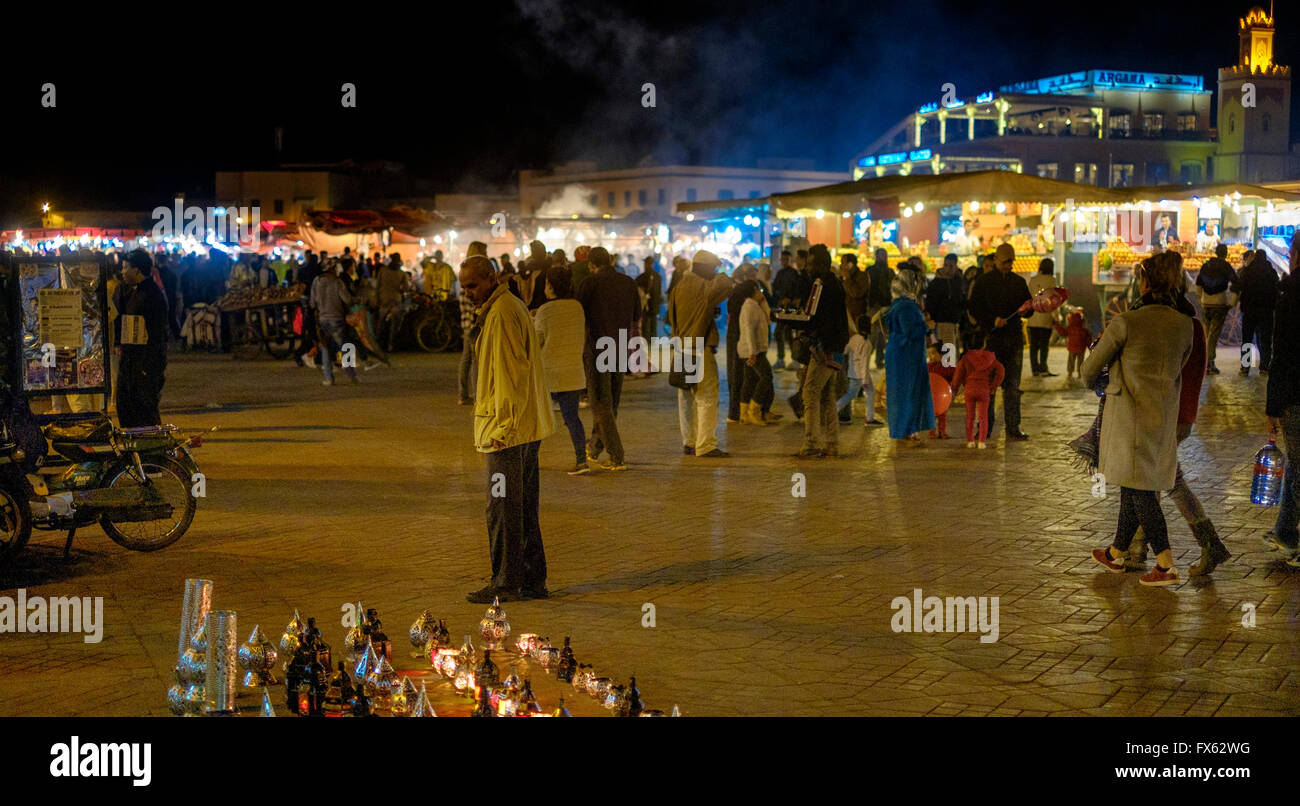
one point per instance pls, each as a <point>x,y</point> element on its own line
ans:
<point>494,627</point>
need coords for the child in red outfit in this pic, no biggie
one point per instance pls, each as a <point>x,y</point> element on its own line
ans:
<point>1077,339</point>
<point>980,372</point>
<point>940,431</point>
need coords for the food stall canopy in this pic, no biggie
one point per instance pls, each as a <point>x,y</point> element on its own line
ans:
<point>1157,193</point>
<point>953,188</point>
<point>347,222</point>
<point>722,205</point>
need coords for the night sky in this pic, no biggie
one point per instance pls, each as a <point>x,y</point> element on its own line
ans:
<point>153,103</point>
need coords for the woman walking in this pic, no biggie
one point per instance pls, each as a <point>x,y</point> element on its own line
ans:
<point>909,407</point>
<point>1145,350</point>
<point>562,330</point>
<point>1040,323</point>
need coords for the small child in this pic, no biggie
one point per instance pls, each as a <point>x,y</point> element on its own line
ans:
<point>980,372</point>
<point>1077,338</point>
<point>936,365</point>
<point>859,353</point>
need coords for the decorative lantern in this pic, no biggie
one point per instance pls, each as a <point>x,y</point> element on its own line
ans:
<point>422,635</point>
<point>404,698</point>
<point>374,628</point>
<point>367,661</point>
<point>528,705</point>
<point>568,665</point>
<point>267,708</point>
<point>257,657</point>
<point>354,642</point>
<point>292,637</point>
<point>487,673</point>
<point>444,661</point>
<point>629,703</point>
<point>422,705</point>
<point>526,643</point>
<point>494,626</point>
<point>381,684</point>
<point>339,694</point>
<point>613,695</point>
<point>598,687</point>
<point>560,710</point>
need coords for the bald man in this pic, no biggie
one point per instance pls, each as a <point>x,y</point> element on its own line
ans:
<point>512,415</point>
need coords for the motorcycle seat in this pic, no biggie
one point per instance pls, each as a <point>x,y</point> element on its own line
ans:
<point>88,431</point>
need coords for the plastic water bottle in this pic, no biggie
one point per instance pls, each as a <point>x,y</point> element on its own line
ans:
<point>1270,465</point>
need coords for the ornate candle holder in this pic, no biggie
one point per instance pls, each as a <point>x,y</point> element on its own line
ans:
<point>257,657</point>
<point>423,634</point>
<point>444,661</point>
<point>494,626</point>
<point>291,637</point>
<point>222,664</point>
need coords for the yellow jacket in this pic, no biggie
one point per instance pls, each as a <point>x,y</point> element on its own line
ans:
<point>511,404</point>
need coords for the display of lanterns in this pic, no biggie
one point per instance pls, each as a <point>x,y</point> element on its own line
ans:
<point>494,626</point>
<point>444,661</point>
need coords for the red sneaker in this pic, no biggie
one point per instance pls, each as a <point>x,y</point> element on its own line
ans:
<point>1160,576</point>
<point>1102,556</point>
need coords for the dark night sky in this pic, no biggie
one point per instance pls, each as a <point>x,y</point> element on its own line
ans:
<point>468,96</point>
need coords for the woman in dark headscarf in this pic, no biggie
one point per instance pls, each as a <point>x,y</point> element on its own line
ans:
<point>909,406</point>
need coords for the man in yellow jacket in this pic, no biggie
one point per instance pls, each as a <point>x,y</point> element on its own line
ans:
<point>512,415</point>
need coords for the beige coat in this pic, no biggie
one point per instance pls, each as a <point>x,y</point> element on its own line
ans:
<point>1037,285</point>
<point>511,402</point>
<point>1139,443</point>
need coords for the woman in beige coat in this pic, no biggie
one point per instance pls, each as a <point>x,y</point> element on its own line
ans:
<point>1145,350</point>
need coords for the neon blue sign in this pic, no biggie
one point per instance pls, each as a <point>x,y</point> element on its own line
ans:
<point>930,107</point>
<point>867,162</point>
<point>891,159</point>
<point>920,154</point>
<point>984,97</point>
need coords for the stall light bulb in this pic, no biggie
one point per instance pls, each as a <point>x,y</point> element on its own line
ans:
<point>974,207</point>
<point>907,212</point>
<point>689,216</point>
<point>1002,207</point>
<point>821,213</point>
<point>847,214</point>
<point>919,207</point>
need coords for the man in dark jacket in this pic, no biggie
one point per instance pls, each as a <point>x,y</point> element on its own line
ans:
<point>652,283</point>
<point>306,275</point>
<point>856,285</point>
<point>879,297</point>
<point>1257,288</point>
<point>945,300</point>
<point>613,308</point>
<point>994,302</point>
<point>1213,282</point>
<point>141,331</point>
<point>829,325</point>
<point>1283,409</point>
<point>786,286</point>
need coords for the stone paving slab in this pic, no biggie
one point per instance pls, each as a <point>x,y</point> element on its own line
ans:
<point>765,603</point>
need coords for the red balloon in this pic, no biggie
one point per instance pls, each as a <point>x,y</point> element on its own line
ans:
<point>941,393</point>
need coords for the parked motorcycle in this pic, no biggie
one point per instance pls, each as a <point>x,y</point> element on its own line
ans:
<point>139,484</point>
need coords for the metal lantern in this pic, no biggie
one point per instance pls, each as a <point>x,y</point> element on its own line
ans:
<point>222,665</point>
<point>257,657</point>
<point>366,662</point>
<point>194,609</point>
<point>444,661</point>
<point>494,626</point>
<point>292,637</point>
<point>526,643</point>
<point>404,697</point>
<point>381,684</point>
<point>423,634</point>
<point>598,686</point>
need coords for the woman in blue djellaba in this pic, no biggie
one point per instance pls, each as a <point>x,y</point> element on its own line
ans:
<point>907,377</point>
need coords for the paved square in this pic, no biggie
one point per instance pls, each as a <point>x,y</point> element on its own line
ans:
<point>764,602</point>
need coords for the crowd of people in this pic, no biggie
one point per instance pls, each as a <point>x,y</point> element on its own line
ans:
<point>828,327</point>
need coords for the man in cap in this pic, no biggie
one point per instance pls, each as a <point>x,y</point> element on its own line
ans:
<point>692,304</point>
<point>994,303</point>
<point>141,330</point>
<point>512,415</point>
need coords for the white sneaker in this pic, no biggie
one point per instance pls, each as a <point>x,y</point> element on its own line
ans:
<point>983,445</point>
<point>970,444</point>
<point>309,360</point>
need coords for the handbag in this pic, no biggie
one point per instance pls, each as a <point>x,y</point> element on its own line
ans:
<point>801,347</point>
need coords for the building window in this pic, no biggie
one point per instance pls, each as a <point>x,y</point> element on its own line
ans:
<point>1189,173</point>
<point>726,193</point>
<point>1085,173</point>
<point>279,203</point>
<point>627,198</point>
<point>1121,175</point>
<point>1153,122</point>
<point>755,194</point>
<point>641,197</point>
<point>1186,121</point>
<point>1048,170</point>
<point>663,196</point>
<point>690,194</point>
<point>609,198</point>
<point>593,198</point>
<point>1157,173</point>
<point>1120,124</point>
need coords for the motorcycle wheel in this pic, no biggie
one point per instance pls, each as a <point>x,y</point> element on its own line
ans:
<point>173,485</point>
<point>432,333</point>
<point>15,523</point>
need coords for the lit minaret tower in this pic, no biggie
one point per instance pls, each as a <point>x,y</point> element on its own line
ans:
<point>1254,107</point>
